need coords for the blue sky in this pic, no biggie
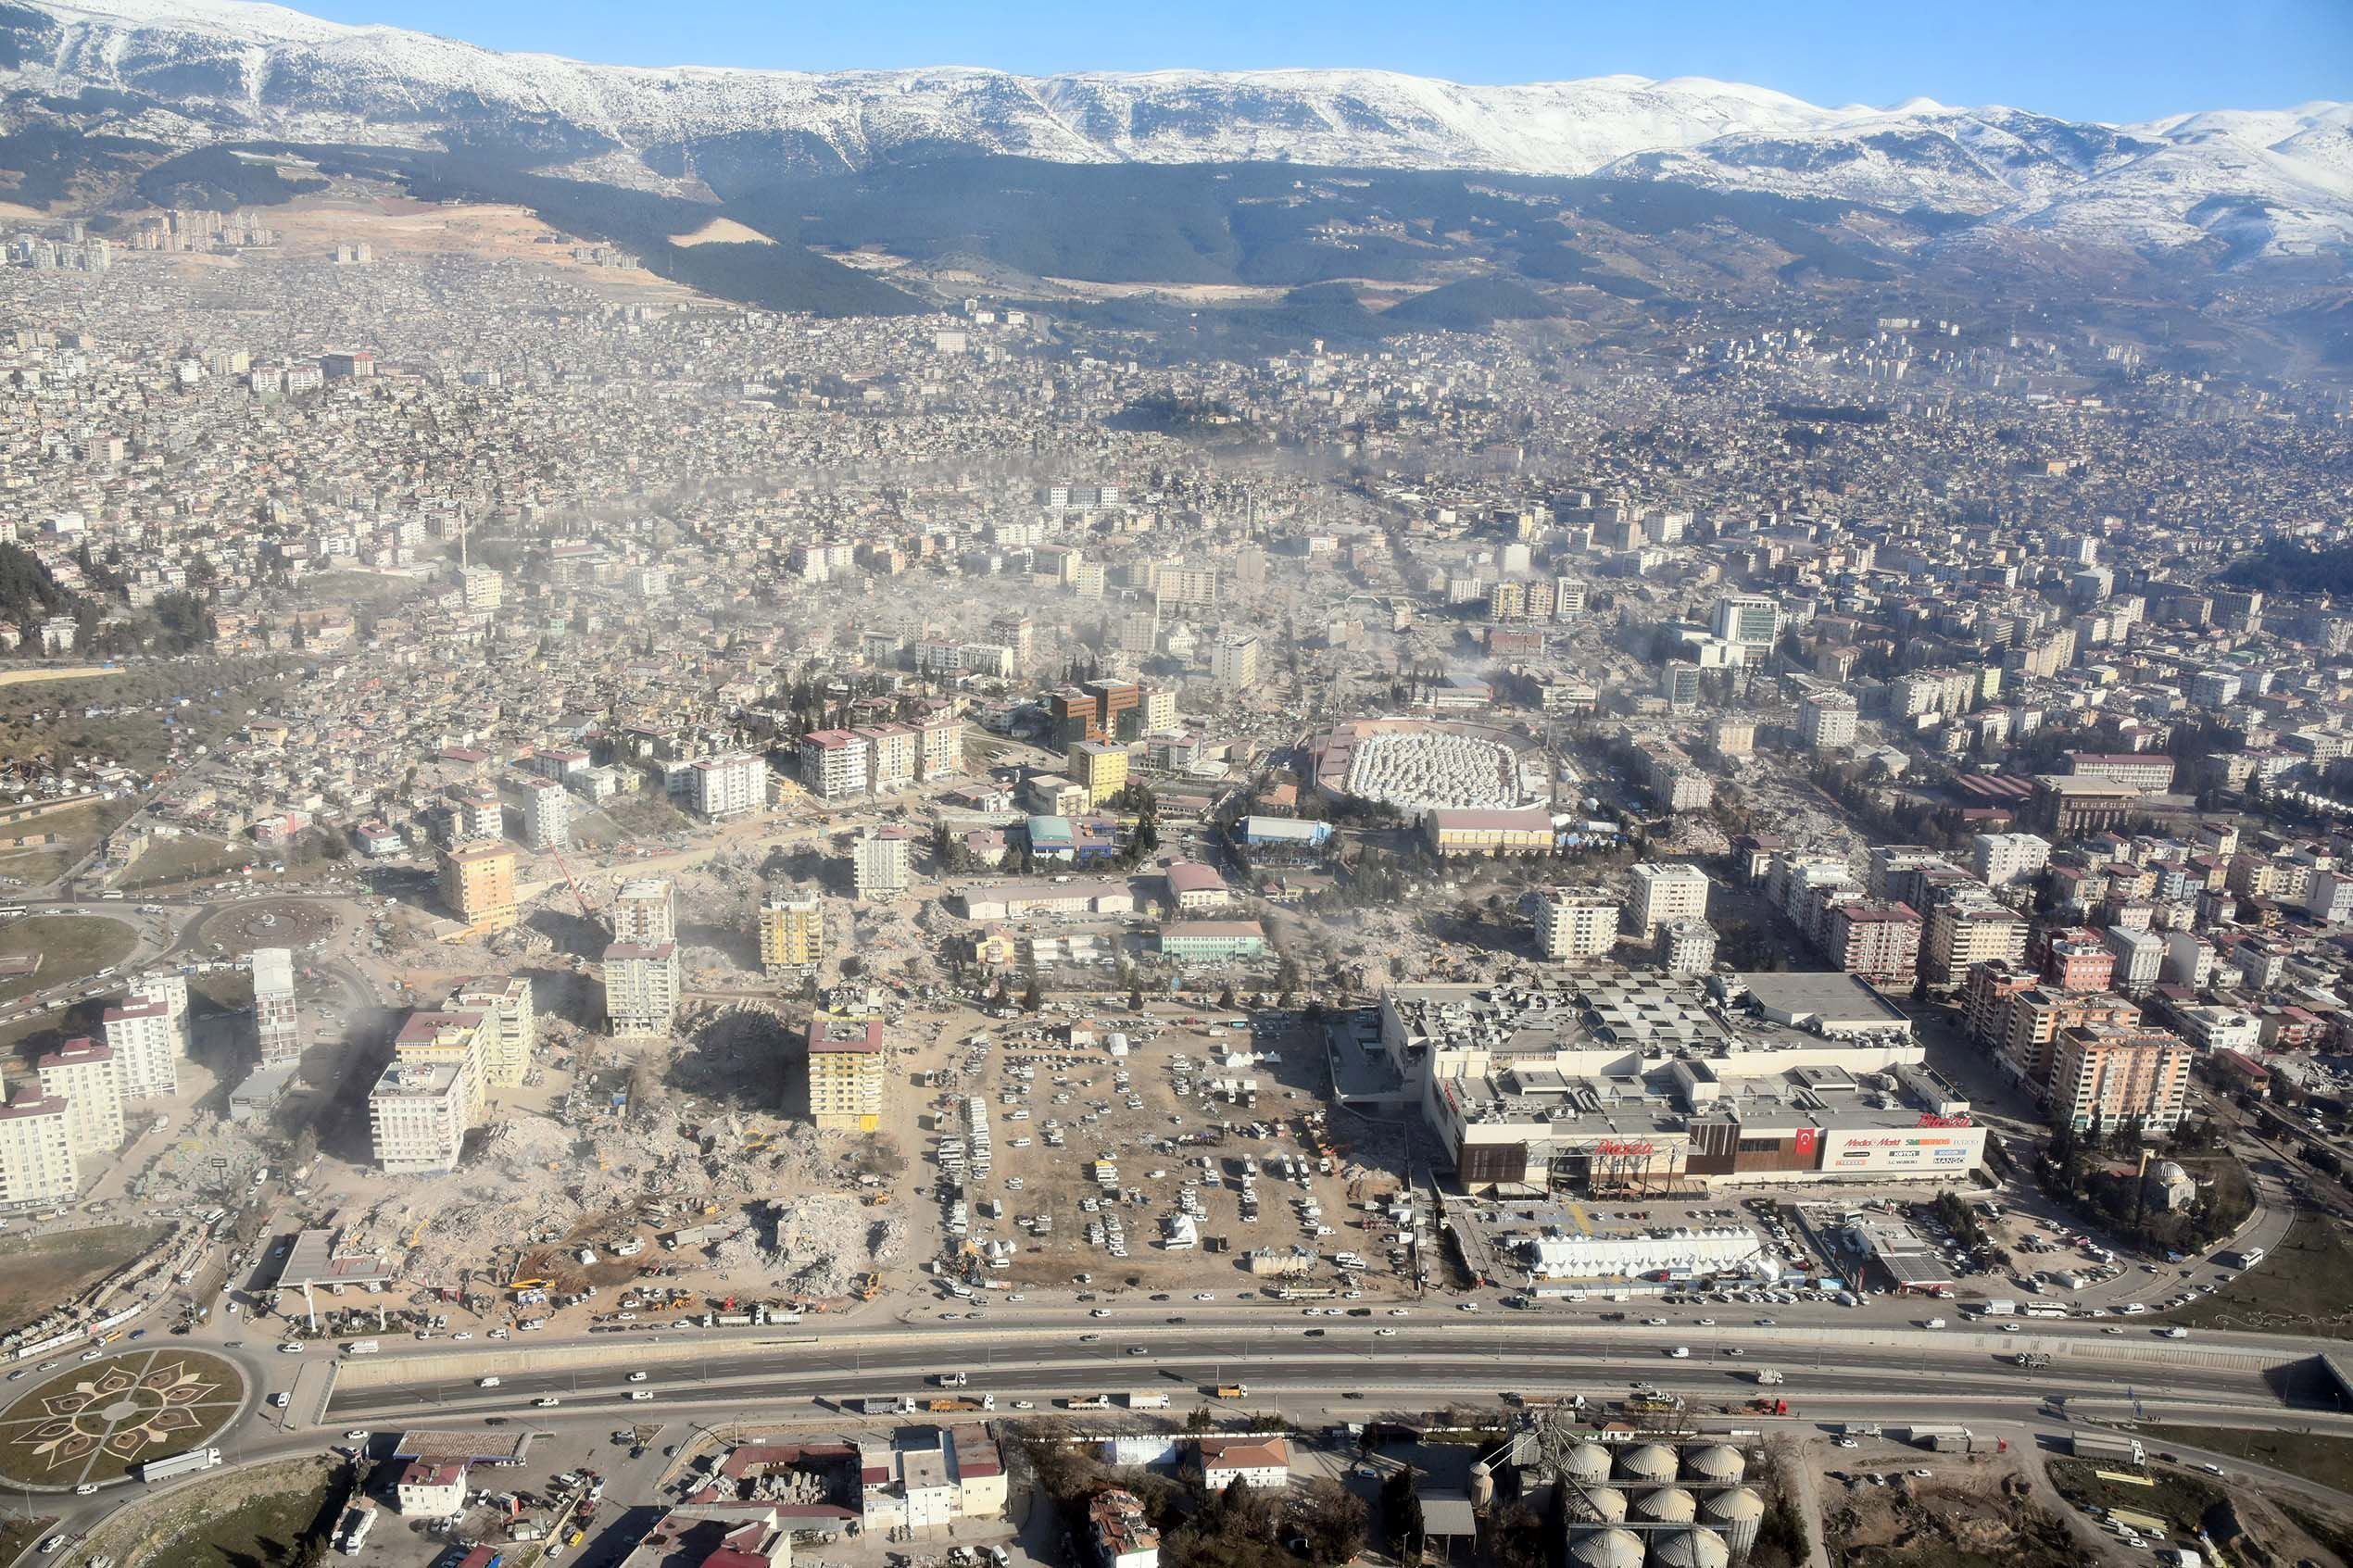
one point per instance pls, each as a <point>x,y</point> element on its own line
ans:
<point>2089,59</point>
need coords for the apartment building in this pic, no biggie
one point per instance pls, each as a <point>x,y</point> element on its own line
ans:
<point>1100,769</point>
<point>2032,1020</point>
<point>881,863</point>
<point>1686,947</point>
<point>645,911</point>
<point>940,746</point>
<point>1663,891</point>
<point>833,764</point>
<point>1964,931</point>
<point>84,1075</point>
<point>892,751</point>
<point>276,1020</point>
<point>478,887</point>
<point>2002,859</point>
<point>792,934</point>
<point>1825,721</point>
<point>513,1036</point>
<point>417,1118</point>
<point>543,807</point>
<point>1233,664</point>
<point>146,1045</point>
<point>36,1151</point>
<point>641,988</point>
<point>1878,940</point>
<point>846,1072</point>
<point>735,786</point>
<point>2106,1076</point>
<point>1575,923</point>
<point>460,1039</point>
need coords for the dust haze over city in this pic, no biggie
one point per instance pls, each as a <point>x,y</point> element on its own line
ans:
<point>1007,816</point>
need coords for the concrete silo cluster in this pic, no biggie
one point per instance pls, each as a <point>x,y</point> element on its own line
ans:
<point>1658,1505</point>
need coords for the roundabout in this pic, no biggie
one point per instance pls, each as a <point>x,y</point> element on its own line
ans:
<point>267,923</point>
<point>97,1421</point>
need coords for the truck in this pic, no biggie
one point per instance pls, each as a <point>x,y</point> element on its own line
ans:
<point>1999,1306</point>
<point>1941,1439</point>
<point>1768,1376</point>
<point>948,1406</point>
<point>361,1348</point>
<point>2111,1447</point>
<point>950,1379</point>
<point>1087,1402</point>
<point>885,1404</point>
<point>1233,1390</point>
<point>179,1464</point>
<point>1139,1399</point>
<point>2031,1360</point>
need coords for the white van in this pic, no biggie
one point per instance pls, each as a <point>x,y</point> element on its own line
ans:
<point>486,1383</point>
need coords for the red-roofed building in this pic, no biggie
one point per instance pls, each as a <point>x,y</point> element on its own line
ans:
<point>432,1489</point>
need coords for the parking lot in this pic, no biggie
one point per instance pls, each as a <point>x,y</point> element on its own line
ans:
<point>1125,1147</point>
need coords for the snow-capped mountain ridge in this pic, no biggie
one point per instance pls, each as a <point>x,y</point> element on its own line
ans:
<point>235,70</point>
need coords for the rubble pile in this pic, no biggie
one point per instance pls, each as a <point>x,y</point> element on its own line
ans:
<point>812,1244</point>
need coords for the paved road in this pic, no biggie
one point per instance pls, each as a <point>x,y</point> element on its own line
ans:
<point>1480,1358</point>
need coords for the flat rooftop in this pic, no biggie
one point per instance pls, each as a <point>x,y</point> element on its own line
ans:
<point>313,1260</point>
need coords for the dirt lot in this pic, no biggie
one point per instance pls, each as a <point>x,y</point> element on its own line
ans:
<point>1975,1516</point>
<point>1059,1108</point>
<point>70,947</point>
<point>40,1271</point>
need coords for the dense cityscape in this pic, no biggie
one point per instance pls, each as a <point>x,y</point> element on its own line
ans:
<point>644,929</point>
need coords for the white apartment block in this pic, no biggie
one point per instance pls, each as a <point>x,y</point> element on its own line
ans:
<point>277,1023</point>
<point>1666,891</point>
<point>1157,709</point>
<point>641,988</point>
<point>1233,664</point>
<point>145,1042</point>
<point>544,806</point>
<point>514,1027</point>
<point>1825,721</point>
<point>881,864</point>
<point>1687,946</point>
<point>83,1073</point>
<point>730,786</point>
<point>417,1117</point>
<point>2002,859</point>
<point>1575,923</point>
<point>36,1152</point>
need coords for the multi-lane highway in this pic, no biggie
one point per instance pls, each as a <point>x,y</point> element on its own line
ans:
<point>1481,1360</point>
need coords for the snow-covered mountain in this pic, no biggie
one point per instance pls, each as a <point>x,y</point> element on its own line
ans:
<point>188,72</point>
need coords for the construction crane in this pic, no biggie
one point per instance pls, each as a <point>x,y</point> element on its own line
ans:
<point>580,894</point>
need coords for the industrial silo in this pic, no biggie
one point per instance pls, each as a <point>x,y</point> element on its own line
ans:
<point>1482,1484</point>
<point>1735,1512</point>
<point>1665,1505</point>
<point>1609,1504</point>
<point>1609,1549</point>
<point>1714,1464</point>
<point>1692,1548</point>
<point>1587,1463</point>
<point>1653,1462</point>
